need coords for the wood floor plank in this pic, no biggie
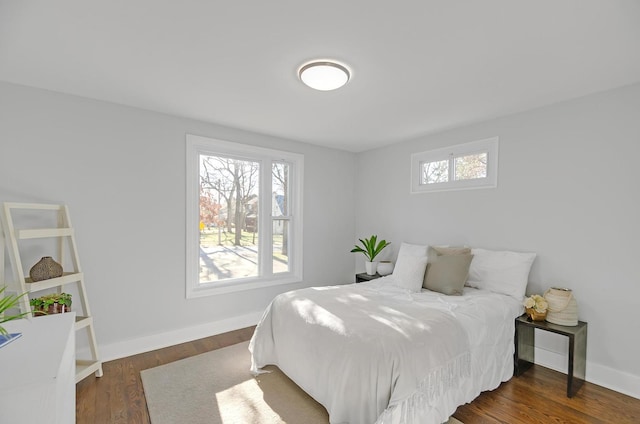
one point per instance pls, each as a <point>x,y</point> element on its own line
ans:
<point>134,392</point>
<point>118,401</point>
<point>86,393</point>
<point>103,394</point>
<point>538,396</point>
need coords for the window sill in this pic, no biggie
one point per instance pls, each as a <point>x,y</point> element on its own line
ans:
<point>216,288</point>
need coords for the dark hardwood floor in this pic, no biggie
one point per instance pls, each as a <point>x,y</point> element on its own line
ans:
<point>538,396</point>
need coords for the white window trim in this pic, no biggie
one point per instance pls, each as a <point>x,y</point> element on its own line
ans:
<point>197,145</point>
<point>489,145</point>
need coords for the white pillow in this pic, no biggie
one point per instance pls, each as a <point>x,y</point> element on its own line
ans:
<point>409,272</point>
<point>500,271</point>
<point>407,249</point>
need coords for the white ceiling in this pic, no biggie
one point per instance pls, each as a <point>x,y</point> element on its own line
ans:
<point>418,66</point>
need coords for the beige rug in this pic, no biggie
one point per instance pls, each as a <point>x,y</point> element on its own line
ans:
<point>217,388</point>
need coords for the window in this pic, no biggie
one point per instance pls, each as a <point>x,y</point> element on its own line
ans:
<point>459,167</point>
<point>244,217</point>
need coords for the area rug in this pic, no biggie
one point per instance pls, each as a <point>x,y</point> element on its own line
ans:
<point>217,388</point>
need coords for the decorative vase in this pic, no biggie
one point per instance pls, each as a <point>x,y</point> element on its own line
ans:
<point>563,307</point>
<point>371,267</point>
<point>385,268</point>
<point>45,269</point>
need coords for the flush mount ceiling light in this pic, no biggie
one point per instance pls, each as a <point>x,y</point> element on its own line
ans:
<point>324,75</point>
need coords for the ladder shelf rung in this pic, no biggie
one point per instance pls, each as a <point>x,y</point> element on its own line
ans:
<point>85,368</point>
<point>83,321</point>
<point>33,206</point>
<point>43,233</point>
<point>67,278</point>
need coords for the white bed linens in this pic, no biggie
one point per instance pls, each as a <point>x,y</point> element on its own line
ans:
<point>374,352</point>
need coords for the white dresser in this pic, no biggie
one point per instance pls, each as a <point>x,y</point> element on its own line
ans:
<point>37,371</point>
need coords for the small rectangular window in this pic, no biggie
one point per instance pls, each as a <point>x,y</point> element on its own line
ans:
<point>463,166</point>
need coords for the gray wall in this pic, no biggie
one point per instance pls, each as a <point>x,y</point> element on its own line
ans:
<point>568,190</point>
<point>122,172</point>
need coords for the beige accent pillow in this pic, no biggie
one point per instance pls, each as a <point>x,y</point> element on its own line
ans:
<point>447,274</point>
<point>446,250</point>
<point>447,269</point>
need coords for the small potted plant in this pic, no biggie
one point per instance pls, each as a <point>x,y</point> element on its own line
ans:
<point>372,247</point>
<point>8,302</point>
<point>55,303</point>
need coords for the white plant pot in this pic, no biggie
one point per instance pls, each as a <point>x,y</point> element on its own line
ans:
<point>371,267</point>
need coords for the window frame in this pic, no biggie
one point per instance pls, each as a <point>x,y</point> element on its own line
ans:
<point>488,146</point>
<point>199,145</point>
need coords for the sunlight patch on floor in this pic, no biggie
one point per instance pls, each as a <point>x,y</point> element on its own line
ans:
<point>238,404</point>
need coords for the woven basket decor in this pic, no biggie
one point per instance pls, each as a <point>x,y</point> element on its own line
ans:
<point>563,307</point>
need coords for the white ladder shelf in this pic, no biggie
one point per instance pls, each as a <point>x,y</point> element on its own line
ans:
<point>64,234</point>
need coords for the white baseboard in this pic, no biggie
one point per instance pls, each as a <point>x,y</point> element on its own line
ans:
<point>130,347</point>
<point>601,375</point>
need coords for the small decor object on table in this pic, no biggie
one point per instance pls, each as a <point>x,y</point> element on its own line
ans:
<point>56,303</point>
<point>371,249</point>
<point>385,267</point>
<point>563,307</point>
<point>45,269</point>
<point>536,307</point>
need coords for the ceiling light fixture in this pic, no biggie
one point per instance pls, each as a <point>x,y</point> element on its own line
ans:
<point>324,75</point>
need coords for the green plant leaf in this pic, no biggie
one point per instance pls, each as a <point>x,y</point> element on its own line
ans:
<point>6,303</point>
<point>371,247</point>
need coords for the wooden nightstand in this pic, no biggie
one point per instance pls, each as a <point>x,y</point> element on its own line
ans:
<point>525,347</point>
<point>362,277</point>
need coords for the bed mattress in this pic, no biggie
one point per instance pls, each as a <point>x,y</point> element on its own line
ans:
<point>376,353</point>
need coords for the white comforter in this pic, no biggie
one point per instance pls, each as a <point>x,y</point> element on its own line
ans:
<point>373,352</point>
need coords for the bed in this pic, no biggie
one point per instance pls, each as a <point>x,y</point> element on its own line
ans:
<point>383,352</point>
